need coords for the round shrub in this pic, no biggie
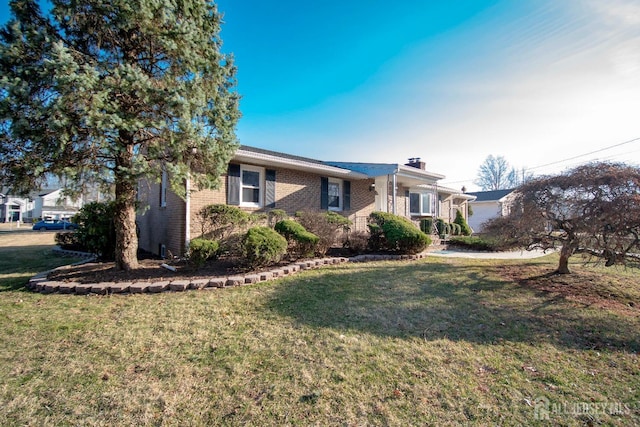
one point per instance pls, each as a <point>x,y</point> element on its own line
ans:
<point>201,250</point>
<point>397,234</point>
<point>303,241</point>
<point>263,246</point>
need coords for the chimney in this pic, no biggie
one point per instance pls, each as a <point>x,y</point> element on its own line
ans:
<point>415,162</point>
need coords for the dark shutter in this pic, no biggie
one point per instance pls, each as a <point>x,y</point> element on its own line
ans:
<point>324,193</point>
<point>270,189</point>
<point>346,200</point>
<point>233,185</point>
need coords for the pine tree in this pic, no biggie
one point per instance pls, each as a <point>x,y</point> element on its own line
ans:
<point>117,91</point>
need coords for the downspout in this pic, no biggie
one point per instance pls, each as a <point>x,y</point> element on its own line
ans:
<point>187,213</point>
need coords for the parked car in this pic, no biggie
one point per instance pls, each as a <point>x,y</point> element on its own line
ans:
<point>54,224</point>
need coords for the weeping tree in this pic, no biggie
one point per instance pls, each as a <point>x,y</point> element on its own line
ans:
<point>116,91</point>
<point>593,209</point>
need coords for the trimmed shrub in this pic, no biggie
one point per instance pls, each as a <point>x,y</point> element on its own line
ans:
<point>328,226</point>
<point>302,242</point>
<point>69,241</point>
<point>96,230</point>
<point>456,230</point>
<point>263,246</point>
<point>220,221</point>
<point>426,226</point>
<point>202,250</point>
<point>466,230</point>
<point>276,215</point>
<point>444,229</point>
<point>397,234</point>
<point>475,243</point>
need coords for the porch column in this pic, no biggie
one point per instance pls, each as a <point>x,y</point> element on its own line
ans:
<point>394,199</point>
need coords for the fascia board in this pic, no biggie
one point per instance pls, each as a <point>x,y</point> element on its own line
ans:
<point>265,159</point>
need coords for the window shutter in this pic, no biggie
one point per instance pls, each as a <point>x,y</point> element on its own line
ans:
<point>270,188</point>
<point>233,185</point>
<point>346,196</point>
<point>324,193</point>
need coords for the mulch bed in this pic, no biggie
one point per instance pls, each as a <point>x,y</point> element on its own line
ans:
<point>150,270</point>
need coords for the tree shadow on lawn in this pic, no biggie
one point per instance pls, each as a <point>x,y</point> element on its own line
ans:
<point>439,300</point>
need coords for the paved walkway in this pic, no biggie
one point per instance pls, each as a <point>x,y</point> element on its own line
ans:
<point>456,253</point>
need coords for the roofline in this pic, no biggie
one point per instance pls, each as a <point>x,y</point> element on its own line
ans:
<point>410,170</point>
<point>267,157</point>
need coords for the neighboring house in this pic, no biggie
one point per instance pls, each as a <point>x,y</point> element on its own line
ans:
<point>14,208</point>
<point>488,205</point>
<point>53,205</point>
<point>261,180</point>
<point>45,204</point>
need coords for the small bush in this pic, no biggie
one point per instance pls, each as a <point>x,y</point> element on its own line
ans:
<point>476,243</point>
<point>69,241</point>
<point>276,215</point>
<point>456,230</point>
<point>302,242</point>
<point>96,230</point>
<point>426,226</point>
<point>202,250</point>
<point>263,246</point>
<point>465,229</point>
<point>444,229</point>
<point>220,221</point>
<point>328,226</point>
<point>357,242</point>
<point>397,234</point>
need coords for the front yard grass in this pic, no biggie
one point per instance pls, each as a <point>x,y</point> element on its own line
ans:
<point>433,342</point>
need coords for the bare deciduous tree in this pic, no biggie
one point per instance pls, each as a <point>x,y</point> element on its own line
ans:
<point>593,209</point>
<point>496,174</point>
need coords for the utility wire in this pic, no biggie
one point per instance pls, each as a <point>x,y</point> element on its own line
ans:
<point>585,154</point>
<point>561,161</point>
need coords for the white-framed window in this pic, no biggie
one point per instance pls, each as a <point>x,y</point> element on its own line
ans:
<point>251,186</point>
<point>335,194</point>
<point>421,203</point>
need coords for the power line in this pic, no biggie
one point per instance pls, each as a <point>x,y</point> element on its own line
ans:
<point>562,160</point>
<point>585,154</point>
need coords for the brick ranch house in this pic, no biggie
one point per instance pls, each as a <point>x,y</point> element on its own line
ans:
<point>259,180</point>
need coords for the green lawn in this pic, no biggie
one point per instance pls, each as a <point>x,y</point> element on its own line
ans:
<point>433,342</point>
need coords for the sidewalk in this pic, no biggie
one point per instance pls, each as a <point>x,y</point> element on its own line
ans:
<point>456,253</point>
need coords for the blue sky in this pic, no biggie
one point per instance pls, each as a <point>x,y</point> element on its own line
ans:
<point>536,81</point>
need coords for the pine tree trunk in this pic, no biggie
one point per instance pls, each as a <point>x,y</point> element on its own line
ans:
<point>125,215</point>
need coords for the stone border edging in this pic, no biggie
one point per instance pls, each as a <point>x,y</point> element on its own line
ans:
<point>40,283</point>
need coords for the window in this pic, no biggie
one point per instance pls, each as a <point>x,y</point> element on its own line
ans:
<point>335,195</point>
<point>163,190</point>
<point>251,186</point>
<point>421,203</point>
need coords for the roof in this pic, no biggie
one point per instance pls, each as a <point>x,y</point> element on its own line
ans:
<point>273,158</point>
<point>488,196</point>
<point>277,154</point>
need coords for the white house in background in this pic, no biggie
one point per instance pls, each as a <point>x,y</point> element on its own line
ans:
<point>488,205</point>
<point>14,208</point>
<point>53,205</point>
